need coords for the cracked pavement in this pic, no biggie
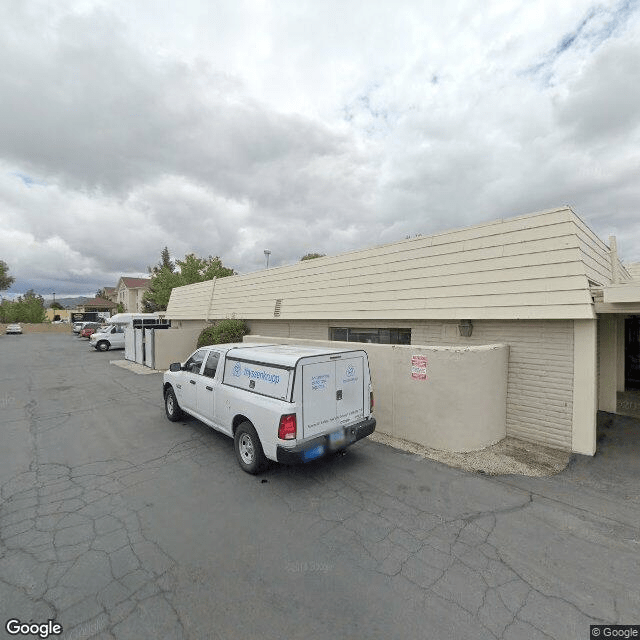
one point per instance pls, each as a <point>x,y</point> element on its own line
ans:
<point>118,523</point>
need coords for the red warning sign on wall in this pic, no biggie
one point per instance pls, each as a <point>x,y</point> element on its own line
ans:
<point>419,367</point>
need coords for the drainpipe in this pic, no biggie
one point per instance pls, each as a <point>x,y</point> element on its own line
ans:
<point>613,254</point>
<point>213,286</point>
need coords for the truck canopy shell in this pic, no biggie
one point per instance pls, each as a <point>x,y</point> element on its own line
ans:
<point>285,355</point>
<point>274,370</point>
<point>128,318</point>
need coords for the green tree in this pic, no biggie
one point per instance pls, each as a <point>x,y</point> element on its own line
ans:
<point>156,298</point>
<point>55,305</point>
<point>311,256</point>
<point>223,332</point>
<point>5,279</point>
<point>27,308</point>
<point>165,260</point>
<point>165,263</point>
<point>7,311</point>
<point>195,269</point>
<point>165,277</point>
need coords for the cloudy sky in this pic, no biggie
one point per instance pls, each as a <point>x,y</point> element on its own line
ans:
<point>235,126</point>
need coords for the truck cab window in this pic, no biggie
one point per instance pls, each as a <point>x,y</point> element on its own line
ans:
<point>194,363</point>
<point>211,364</point>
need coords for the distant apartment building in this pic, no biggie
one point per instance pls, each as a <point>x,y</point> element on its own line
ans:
<point>110,293</point>
<point>129,293</point>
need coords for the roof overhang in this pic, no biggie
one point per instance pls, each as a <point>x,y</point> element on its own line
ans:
<point>621,293</point>
<point>630,308</point>
<point>619,298</point>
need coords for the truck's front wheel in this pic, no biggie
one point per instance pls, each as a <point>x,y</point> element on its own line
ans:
<point>249,452</point>
<point>171,406</point>
<point>103,345</point>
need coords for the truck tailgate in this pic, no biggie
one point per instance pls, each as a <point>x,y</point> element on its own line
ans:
<point>333,394</point>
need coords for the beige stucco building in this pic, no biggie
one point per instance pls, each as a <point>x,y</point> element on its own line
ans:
<point>97,304</point>
<point>542,284</point>
<point>129,293</point>
<point>60,314</point>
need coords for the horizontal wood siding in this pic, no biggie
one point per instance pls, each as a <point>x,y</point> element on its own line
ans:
<point>308,329</point>
<point>633,269</point>
<point>269,328</point>
<point>540,381</point>
<point>190,302</point>
<point>597,256</point>
<point>531,267</point>
<point>527,267</point>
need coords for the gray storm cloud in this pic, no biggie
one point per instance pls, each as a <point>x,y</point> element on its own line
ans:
<point>127,128</point>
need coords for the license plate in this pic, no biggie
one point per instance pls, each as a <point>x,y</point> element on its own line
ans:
<point>311,454</point>
<point>336,438</point>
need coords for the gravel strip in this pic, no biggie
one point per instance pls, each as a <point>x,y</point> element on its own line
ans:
<point>510,456</point>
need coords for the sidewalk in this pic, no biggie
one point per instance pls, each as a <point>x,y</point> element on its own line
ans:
<point>134,367</point>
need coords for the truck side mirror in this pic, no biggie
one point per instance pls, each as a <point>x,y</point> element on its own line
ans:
<point>175,366</point>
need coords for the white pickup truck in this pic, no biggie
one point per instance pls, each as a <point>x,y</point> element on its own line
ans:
<point>286,403</point>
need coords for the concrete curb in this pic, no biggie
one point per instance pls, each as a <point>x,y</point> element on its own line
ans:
<point>134,367</point>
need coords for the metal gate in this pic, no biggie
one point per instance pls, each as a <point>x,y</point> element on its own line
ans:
<point>140,340</point>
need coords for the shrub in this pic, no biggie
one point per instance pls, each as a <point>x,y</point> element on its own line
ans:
<point>229,330</point>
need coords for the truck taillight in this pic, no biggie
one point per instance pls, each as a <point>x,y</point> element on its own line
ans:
<point>370,401</point>
<point>287,430</point>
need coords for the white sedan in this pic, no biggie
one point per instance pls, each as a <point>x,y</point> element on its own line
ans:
<point>13,328</point>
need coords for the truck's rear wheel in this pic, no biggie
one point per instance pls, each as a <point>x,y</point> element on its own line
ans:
<point>171,406</point>
<point>248,449</point>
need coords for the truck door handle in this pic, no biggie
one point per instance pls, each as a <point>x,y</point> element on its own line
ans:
<point>209,388</point>
<point>192,381</point>
<point>339,394</point>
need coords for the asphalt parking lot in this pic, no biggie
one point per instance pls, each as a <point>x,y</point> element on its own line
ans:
<point>116,523</point>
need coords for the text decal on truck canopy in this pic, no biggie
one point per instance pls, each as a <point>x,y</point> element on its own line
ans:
<point>319,382</point>
<point>255,374</point>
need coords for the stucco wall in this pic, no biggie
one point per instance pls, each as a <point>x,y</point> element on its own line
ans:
<point>177,343</point>
<point>65,314</point>
<point>460,406</point>
<point>585,390</point>
<point>607,363</point>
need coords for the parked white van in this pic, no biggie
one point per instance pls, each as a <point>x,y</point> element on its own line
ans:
<point>112,336</point>
<point>285,403</point>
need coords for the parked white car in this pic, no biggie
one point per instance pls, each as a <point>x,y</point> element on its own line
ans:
<point>108,337</point>
<point>285,403</point>
<point>13,328</point>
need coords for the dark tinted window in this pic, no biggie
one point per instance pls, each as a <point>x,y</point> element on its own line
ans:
<point>376,336</point>
<point>340,334</point>
<point>211,364</point>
